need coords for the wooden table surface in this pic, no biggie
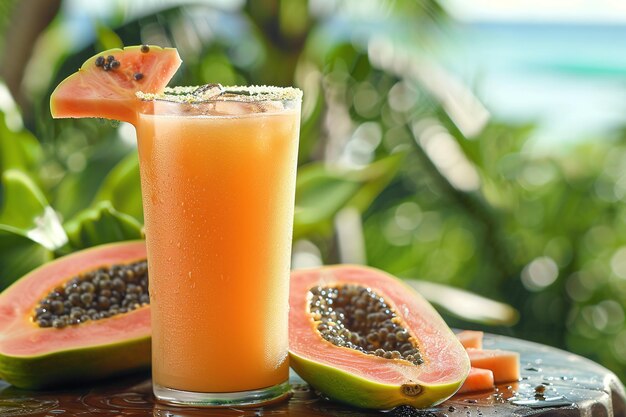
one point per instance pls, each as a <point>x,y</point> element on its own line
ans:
<point>574,387</point>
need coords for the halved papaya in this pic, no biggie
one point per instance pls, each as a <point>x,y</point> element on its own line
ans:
<point>364,338</point>
<point>82,317</point>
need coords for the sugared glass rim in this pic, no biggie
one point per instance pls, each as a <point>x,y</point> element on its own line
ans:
<point>246,94</point>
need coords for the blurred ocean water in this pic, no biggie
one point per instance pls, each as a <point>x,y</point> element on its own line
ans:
<point>569,78</point>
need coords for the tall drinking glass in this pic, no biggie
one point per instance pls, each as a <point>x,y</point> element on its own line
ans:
<point>218,182</point>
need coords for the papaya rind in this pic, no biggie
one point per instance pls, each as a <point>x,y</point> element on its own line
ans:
<point>73,365</point>
<point>359,392</point>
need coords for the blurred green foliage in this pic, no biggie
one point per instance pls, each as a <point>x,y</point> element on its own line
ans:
<point>442,196</point>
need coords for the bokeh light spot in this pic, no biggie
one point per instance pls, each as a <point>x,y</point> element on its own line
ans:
<point>576,288</point>
<point>408,215</point>
<point>618,262</point>
<point>619,346</point>
<point>76,162</point>
<point>539,273</point>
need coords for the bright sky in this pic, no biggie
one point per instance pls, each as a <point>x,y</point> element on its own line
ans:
<point>592,11</point>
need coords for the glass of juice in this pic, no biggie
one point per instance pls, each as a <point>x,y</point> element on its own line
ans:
<point>218,171</point>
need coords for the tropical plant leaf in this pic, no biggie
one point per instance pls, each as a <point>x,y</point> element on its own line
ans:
<point>321,192</point>
<point>375,177</point>
<point>18,255</point>
<point>466,305</point>
<point>19,150</point>
<point>107,38</point>
<point>101,224</point>
<point>24,202</point>
<point>27,212</point>
<point>122,187</point>
<point>77,190</point>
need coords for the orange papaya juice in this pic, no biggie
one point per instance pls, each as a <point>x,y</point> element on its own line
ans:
<point>218,185</point>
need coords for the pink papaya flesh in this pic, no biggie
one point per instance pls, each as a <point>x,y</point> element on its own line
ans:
<point>478,380</point>
<point>36,357</point>
<point>505,365</point>
<point>105,87</point>
<point>363,379</point>
<point>489,367</point>
<point>471,339</point>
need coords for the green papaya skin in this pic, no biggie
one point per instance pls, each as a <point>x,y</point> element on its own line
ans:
<point>76,365</point>
<point>360,392</point>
